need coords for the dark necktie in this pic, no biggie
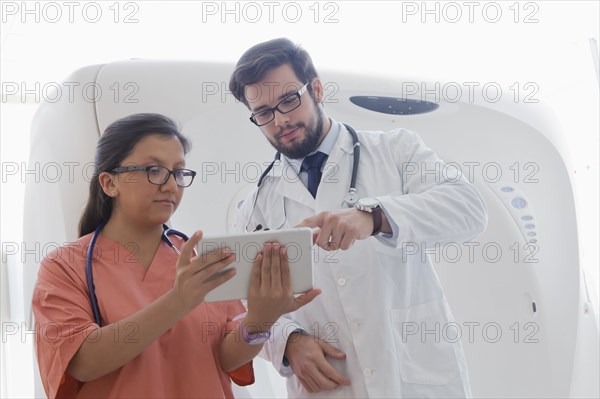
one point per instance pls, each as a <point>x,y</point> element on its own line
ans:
<point>312,165</point>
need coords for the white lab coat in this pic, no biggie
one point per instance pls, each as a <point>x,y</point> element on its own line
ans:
<point>381,303</point>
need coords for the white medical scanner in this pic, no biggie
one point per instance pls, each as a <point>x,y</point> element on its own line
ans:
<point>518,292</point>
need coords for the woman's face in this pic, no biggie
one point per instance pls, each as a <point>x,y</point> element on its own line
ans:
<point>140,202</point>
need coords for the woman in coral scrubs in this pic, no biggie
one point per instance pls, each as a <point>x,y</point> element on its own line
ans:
<point>157,338</point>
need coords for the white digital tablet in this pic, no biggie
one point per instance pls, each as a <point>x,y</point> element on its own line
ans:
<point>245,246</point>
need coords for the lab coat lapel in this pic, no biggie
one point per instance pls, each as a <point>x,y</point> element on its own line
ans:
<point>289,185</point>
<point>336,174</point>
<point>334,182</point>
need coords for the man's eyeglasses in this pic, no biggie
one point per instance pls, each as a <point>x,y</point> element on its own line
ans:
<point>286,105</point>
<point>159,175</point>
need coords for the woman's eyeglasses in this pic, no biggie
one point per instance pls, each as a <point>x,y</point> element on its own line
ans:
<point>159,175</point>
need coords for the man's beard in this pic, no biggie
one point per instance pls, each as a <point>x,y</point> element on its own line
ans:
<point>310,142</point>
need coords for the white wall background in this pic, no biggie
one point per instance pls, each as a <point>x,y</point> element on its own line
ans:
<point>545,44</point>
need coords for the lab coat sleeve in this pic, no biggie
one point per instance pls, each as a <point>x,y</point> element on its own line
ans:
<point>437,203</point>
<point>273,350</point>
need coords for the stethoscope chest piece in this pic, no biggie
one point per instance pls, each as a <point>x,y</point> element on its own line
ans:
<point>350,199</point>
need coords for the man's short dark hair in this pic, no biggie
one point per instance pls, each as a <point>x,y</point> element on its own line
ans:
<point>263,57</point>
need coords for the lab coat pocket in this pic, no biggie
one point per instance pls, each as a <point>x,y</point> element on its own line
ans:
<point>385,249</point>
<point>427,343</point>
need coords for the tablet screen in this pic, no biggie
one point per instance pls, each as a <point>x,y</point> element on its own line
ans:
<point>245,246</point>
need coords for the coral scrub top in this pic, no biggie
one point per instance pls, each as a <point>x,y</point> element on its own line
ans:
<point>183,362</point>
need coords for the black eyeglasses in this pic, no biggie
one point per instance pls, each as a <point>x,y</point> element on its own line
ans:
<point>159,175</point>
<point>286,105</point>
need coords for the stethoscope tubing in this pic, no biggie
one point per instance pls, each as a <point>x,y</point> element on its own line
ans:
<point>90,254</point>
<point>350,199</point>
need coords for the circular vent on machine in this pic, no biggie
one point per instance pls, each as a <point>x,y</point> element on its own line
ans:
<point>394,105</point>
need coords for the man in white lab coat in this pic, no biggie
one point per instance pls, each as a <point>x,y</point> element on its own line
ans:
<point>381,327</point>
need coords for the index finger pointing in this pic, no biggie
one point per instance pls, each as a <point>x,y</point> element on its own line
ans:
<point>313,221</point>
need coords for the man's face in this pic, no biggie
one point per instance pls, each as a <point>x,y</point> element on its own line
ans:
<point>296,133</point>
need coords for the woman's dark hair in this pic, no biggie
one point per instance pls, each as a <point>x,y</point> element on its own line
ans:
<point>261,58</point>
<point>114,145</point>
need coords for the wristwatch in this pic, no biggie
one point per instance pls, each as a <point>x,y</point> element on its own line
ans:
<point>372,206</point>
<point>254,338</point>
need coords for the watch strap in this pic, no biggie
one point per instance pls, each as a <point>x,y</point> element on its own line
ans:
<point>377,220</point>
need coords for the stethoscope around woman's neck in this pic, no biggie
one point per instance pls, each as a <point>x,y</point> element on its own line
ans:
<point>90,254</point>
<point>351,198</point>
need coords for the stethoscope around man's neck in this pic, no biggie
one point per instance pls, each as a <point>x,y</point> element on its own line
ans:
<point>351,197</point>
